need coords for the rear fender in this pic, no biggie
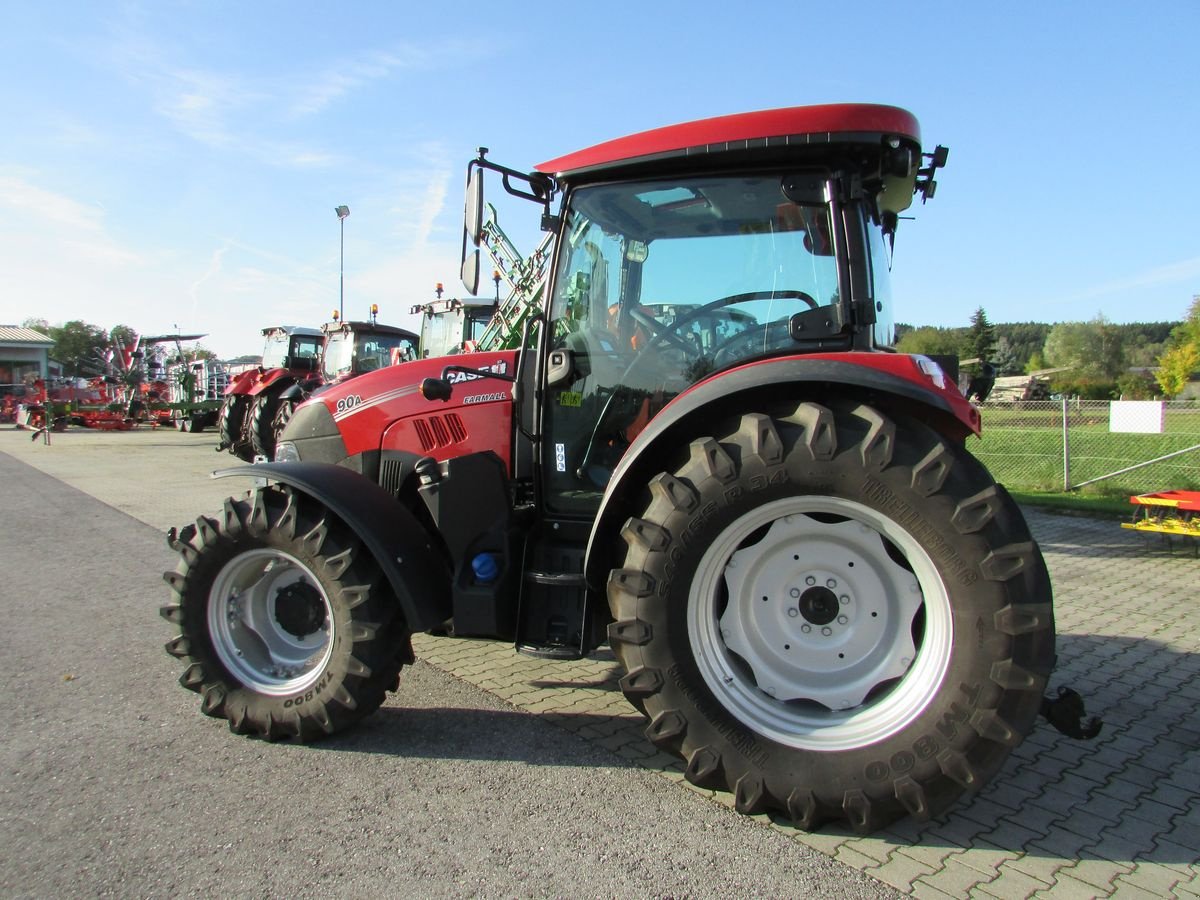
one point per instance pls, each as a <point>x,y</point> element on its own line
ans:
<point>243,382</point>
<point>406,552</point>
<point>891,382</point>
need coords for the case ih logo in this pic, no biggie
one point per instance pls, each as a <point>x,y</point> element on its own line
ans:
<point>497,368</point>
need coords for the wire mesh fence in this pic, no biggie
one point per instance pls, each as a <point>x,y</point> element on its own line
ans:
<point>1057,445</point>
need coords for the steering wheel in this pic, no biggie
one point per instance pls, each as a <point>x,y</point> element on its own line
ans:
<point>657,331</point>
<point>612,412</point>
<point>670,332</point>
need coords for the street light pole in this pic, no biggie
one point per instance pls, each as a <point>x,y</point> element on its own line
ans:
<point>342,212</point>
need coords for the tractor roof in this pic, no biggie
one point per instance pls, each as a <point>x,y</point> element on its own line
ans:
<point>368,328</point>
<point>791,127</point>
<point>145,339</point>
<point>292,329</point>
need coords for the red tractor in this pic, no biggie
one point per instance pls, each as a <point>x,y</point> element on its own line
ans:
<point>291,353</point>
<point>704,452</point>
<point>351,349</point>
<point>452,325</point>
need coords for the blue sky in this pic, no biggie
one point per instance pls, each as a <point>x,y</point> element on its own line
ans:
<point>178,163</point>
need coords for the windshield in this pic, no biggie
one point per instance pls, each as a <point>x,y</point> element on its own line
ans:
<point>350,353</point>
<point>445,332</point>
<point>290,352</point>
<point>712,269</point>
<point>659,284</point>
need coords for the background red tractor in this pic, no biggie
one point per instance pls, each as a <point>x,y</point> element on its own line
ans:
<point>703,450</point>
<point>351,349</point>
<point>291,353</point>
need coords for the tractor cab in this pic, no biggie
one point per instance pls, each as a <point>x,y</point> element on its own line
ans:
<point>297,348</point>
<point>452,325</point>
<point>687,252</point>
<point>352,348</point>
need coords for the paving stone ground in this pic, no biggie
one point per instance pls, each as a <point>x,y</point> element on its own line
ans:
<point>1116,816</point>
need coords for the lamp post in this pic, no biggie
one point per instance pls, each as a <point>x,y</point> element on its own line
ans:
<point>342,212</point>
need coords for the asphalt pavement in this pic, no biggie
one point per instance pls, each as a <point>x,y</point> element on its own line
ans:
<point>115,785</point>
<point>491,774</point>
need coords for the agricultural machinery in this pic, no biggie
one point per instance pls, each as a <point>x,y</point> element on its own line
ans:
<point>140,382</point>
<point>265,397</point>
<point>700,448</point>
<point>452,325</point>
<point>291,353</point>
<point>351,349</point>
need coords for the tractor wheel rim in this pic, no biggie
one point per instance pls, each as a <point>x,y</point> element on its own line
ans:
<point>271,622</point>
<point>820,623</point>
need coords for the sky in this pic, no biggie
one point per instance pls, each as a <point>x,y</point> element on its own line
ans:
<point>176,165</point>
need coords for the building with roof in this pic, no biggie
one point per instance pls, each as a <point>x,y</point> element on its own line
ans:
<point>23,353</point>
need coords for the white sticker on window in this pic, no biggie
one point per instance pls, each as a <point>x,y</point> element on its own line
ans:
<point>560,457</point>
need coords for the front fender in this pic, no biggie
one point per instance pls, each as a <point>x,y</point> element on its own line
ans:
<point>892,381</point>
<point>405,551</point>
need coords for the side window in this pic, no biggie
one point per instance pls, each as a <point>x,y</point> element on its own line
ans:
<point>884,330</point>
<point>590,281</point>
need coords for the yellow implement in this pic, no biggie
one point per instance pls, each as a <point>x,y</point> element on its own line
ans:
<point>1167,512</point>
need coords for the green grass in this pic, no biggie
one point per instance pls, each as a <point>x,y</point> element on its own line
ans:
<point>1106,506</point>
<point>1022,446</point>
<point>1031,459</point>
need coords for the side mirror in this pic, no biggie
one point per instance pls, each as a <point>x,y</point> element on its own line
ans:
<point>436,389</point>
<point>473,212</point>
<point>470,272</point>
<point>472,229</point>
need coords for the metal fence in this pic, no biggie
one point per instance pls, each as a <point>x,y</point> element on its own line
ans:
<point>1094,445</point>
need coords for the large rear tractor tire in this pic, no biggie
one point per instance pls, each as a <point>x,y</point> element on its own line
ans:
<point>288,628</point>
<point>231,426</point>
<point>833,614</point>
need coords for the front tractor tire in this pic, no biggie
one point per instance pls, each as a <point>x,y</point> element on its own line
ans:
<point>231,427</point>
<point>834,615</point>
<point>288,628</point>
<point>260,421</point>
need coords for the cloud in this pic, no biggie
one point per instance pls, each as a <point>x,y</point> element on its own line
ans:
<point>75,231</point>
<point>417,209</point>
<point>345,76</point>
<point>1171,273</point>
<point>33,202</point>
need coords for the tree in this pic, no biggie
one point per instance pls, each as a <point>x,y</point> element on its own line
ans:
<point>1004,358</point>
<point>121,336</point>
<point>37,325</point>
<point>1092,349</point>
<point>79,347</point>
<point>980,342</point>
<point>930,341</point>
<point>1182,357</point>
<point>1025,339</point>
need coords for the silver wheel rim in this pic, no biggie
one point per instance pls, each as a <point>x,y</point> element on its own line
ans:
<point>271,622</point>
<point>802,625</point>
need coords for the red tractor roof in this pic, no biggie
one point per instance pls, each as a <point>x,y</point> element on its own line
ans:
<point>801,125</point>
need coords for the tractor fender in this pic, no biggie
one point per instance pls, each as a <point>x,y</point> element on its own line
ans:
<point>272,379</point>
<point>294,391</point>
<point>406,552</point>
<point>888,385</point>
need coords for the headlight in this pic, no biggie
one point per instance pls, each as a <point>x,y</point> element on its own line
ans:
<point>285,451</point>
